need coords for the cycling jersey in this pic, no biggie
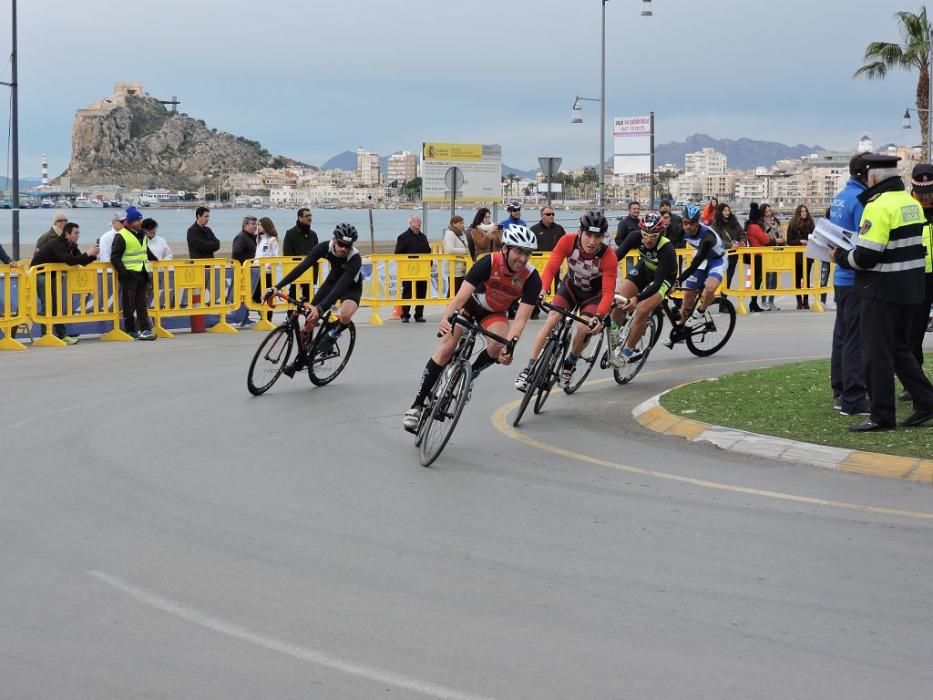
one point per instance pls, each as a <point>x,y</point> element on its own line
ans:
<point>497,287</point>
<point>344,279</point>
<point>587,275</point>
<point>710,251</point>
<point>656,271</point>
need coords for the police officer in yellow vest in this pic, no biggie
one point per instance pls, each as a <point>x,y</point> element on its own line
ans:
<point>921,187</point>
<point>889,260</point>
<point>130,256</point>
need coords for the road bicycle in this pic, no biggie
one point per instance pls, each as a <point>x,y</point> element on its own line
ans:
<point>452,391</point>
<point>324,359</point>
<point>703,336</point>
<point>624,371</point>
<point>546,371</point>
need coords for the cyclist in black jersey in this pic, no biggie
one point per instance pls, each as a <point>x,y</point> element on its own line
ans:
<point>647,284</point>
<point>344,281</point>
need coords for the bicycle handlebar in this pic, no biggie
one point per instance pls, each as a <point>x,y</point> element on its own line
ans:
<point>570,314</point>
<point>456,318</point>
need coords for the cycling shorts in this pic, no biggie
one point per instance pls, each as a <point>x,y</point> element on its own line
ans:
<point>570,297</point>
<point>482,315</point>
<point>641,277</point>
<point>710,268</point>
<point>354,293</point>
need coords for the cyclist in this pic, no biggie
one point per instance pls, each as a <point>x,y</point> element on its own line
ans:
<point>705,272</point>
<point>589,284</point>
<point>488,289</point>
<point>344,281</point>
<point>647,284</point>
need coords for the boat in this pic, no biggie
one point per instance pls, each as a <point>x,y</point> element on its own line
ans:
<point>82,202</point>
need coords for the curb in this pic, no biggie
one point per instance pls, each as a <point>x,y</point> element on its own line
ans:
<point>653,416</point>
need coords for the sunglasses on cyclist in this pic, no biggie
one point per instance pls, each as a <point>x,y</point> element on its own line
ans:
<point>342,244</point>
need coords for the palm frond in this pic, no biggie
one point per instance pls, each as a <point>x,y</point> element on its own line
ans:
<point>872,71</point>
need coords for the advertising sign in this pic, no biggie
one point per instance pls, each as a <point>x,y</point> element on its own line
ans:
<point>480,165</point>
<point>631,137</point>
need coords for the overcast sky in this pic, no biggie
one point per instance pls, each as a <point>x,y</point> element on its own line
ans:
<point>309,80</point>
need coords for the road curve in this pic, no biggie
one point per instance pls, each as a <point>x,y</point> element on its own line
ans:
<point>166,534</point>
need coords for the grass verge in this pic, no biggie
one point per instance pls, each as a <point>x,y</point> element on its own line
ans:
<point>793,401</point>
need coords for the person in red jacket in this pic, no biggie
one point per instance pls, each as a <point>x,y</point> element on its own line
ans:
<point>757,238</point>
<point>589,286</point>
<point>709,211</point>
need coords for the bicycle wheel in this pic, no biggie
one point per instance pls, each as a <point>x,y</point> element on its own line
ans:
<point>711,336</point>
<point>550,373</point>
<point>628,371</point>
<point>325,366</point>
<point>540,367</point>
<point>658,324</point>
<point>585,364</point>
<point>446,408</point>
<point>270,358</point>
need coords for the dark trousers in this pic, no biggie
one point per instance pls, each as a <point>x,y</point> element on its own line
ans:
<point>847,374</point>
<point>886,352</point>
<point>801,278</point>
<point>731,262</point>
<point>134,295</point>
<point>756,274</point>
<point>421,290</point>
<point>919,321</point>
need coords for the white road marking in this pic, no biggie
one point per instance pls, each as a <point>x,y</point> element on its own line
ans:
<point>229,629</point>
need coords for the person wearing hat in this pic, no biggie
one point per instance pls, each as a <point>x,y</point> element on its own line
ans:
<point>889,259</point>
<point>130,256</point>
<point>515,216</point>
<point>106,240</point>
<point>59,219</point>
<point>846,374</point>
<point>921,187</point>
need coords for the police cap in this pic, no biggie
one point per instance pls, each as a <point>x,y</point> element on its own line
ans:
<point>921,179</point>
<point>874,161</point>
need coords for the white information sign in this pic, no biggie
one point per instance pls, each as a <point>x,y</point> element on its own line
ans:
<point>632,145</point>
<point>480,165</point>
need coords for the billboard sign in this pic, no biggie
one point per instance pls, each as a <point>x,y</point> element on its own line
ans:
<point>631,138</point>
<point>480,165</point>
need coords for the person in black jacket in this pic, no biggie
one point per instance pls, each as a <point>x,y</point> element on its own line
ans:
<point>413,242</point>
<point>61,249</point>
<point>298,241</point>
<point>629,224</point>
<point>675,230</point>
<point>202,243</point>
<point>244,243</point>
<point>134,284</point>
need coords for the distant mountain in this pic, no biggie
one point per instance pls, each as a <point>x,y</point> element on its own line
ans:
<point>741,154</point>
<point>347,161</point>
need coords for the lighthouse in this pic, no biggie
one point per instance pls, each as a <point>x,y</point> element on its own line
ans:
<point>45,169</point>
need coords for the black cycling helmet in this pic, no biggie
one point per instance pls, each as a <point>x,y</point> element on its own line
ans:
<point>346,233</point>
<point>594,222</point>
<point>513,206</point>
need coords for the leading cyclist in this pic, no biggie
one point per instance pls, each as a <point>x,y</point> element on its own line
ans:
<point>344,281</point>
<point>647,284</point>
<point>488,290</point>
<point>589,284</point>
<point>705,272</point>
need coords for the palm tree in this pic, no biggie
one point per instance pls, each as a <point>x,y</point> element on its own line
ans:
<point>880,56</point>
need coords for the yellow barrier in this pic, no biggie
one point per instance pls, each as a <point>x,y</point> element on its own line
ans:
<point>436,272</point>
<point>75,294</point>
<point>195,288</point>
<point>267,271</point>
<point>13,306</point>
<point>780,260</point>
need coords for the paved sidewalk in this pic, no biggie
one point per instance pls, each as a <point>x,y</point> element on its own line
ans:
<point>652,415</point>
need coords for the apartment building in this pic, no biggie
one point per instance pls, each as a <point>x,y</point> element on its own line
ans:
<point>403,167</point>
<point>367,168</point>
<point>705,162</point>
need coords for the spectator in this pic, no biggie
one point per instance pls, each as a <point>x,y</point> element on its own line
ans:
<point>757,238</point>
<point>921,182</point>
<point>675,229</point>
<point>4,258</point>
<point>772,227</point>
<point>514,210</point>
<point>59,219</point>
<point>298,241</point>
<point>547,230</point>
<point>484,236</point>
<point>158,245</point>
<point>629,223</point>
<point>455,244</point>
<point>130,255</point>
<point>202,243</point>
<point>266,247</point>
<point>798,232</point>
<point>106,239</point>
<point>709,211</point>
<point>61,249</point>
<point>413,242</point>
<point>243,249</point>
<point>732,235</point>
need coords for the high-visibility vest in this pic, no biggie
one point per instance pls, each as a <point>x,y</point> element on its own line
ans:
<point>135,257</point>
<point>928,243</point>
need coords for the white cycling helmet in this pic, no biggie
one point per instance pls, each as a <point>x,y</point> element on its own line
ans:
<point>520,237</point>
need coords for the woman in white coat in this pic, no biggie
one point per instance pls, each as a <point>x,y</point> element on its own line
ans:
<point>455,243</point>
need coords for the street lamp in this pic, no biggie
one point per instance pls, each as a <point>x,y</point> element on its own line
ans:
<point>577,112</point>
<point>905,124</point>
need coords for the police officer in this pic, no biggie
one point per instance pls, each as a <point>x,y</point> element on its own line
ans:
<point>921,186</point>
<point>889,260</point>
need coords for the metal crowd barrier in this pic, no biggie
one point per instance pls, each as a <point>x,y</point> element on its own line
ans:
<point>13,307</point>
<point>782,262</point>
<point>263,273</point>
<point>390,272</point>
<point>194,288</point>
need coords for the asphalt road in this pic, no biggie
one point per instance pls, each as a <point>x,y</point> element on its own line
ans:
<point>165,534</point>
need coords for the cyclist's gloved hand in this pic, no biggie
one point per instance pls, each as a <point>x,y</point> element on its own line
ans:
<point>444,327</point>
<point>596,325</point>
<point>270,292</point>
<point>314,313</point>
<point>505,354</point>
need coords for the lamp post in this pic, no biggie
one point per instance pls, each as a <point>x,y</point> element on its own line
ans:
<point>576,111</point>
<point>14,128</point>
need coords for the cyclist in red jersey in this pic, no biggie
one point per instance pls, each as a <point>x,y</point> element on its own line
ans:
<point>589,285</point>
<point>487,292</point>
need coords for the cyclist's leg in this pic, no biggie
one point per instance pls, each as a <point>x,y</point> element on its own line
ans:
<point>347,309</point>
<point>498,324</point>
<point>643,312</point>
<point>713,280</point>
<point>626,288</point>
<point>435,365</point>
<point>548,326</point>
